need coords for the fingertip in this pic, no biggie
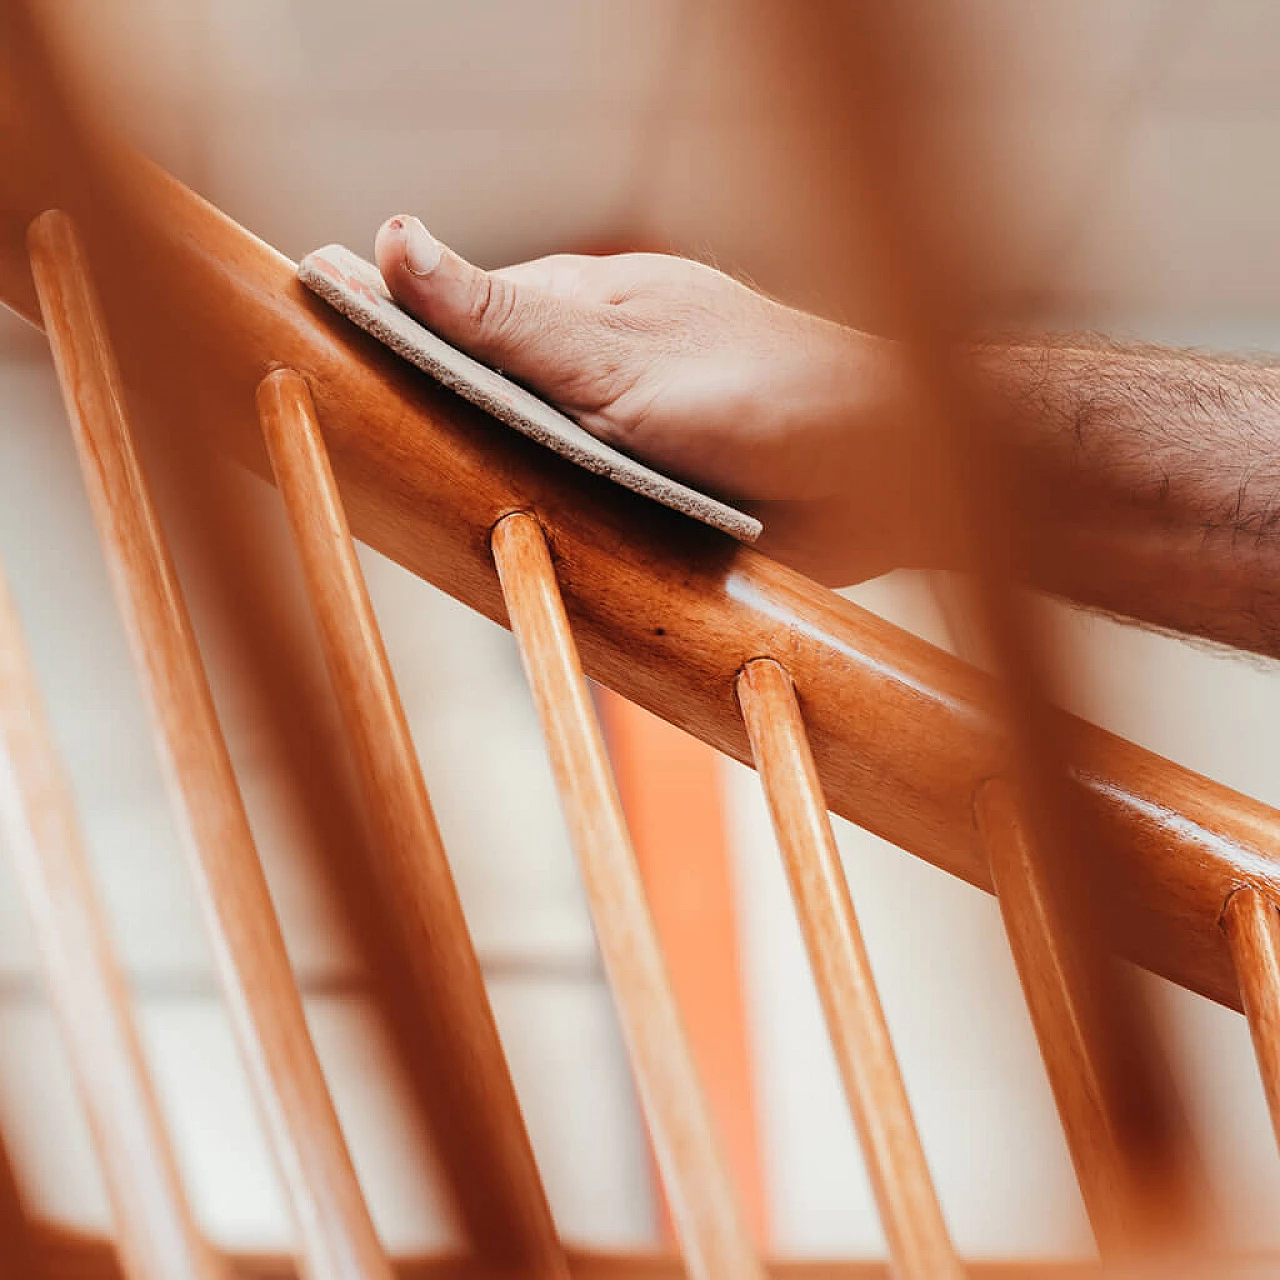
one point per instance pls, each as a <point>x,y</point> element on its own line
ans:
<point>408,245</point>
<point>389,247</point>
<point>389,233</point>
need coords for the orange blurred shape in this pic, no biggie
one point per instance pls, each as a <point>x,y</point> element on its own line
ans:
<point>671,791</point>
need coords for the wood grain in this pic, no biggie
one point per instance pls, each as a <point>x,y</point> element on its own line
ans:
<point>335,1235</point>
<point>1252,925</point>
<point>155,1231</point>
<point>1138,1200</point>
<point>489,1160</point>
<point>664,612</point>
<point>919,1244</point>
<point>708,1220</point>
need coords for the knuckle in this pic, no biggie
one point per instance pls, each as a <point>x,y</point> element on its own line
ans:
<point>493,305</point>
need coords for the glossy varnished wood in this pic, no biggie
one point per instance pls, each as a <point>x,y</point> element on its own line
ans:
<point>664,611</point>
<point>1135,1204</point>
<point>708,1221</point>
<point>1049,987</point>
<point>155,1231</point>
<point>336,1236</point>
<point>914,1228</point>
<point>1252,925</point>
<point>488,1158</point>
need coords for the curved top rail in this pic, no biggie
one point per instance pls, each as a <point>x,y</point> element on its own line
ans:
<point>665,611</point>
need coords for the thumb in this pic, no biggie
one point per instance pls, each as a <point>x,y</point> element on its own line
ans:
<point>531,334</point>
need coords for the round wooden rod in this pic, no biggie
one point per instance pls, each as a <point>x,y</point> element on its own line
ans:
<point>704,1205</point>
<point>156,1232</point>
<point>1252,924</point>
<point>910,1213</point>
<point>664,611</point>
<point>480,1135</point>
<point>336,1235</point>
<point>1144,1191</point>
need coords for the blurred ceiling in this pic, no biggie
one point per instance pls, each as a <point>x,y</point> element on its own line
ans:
<point>1136,134</point>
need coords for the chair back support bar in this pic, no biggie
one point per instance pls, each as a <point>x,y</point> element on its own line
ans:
<point>1135,1204</point>
<point>485,1151</point>
<point>709,1224</point>
<point>336,1238</point>
<point>156,1233</point>
<point>1252,924</point>
<point>914,1228</point>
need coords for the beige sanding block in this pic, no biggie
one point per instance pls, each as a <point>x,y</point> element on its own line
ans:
<point>355,287</point>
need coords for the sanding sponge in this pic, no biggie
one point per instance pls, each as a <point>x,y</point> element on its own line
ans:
<point>355,287</point>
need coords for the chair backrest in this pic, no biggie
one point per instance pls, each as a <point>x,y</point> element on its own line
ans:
<point>835,707</point>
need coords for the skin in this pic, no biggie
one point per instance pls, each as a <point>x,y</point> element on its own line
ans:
<point>1149,479</point>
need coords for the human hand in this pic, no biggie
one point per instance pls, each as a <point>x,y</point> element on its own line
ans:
<point>691,371</point>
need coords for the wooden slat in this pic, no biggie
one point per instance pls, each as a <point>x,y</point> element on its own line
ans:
<point>1139,1200</point>
<point>155,1231</point>
<point>914,1227</point>
<point>708,1220</point>
<point>335,1234</point>
<point>490,1161</point>
<point>1252,924</point>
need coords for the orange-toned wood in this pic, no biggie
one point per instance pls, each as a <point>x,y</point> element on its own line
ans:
<point>335,1234</point>
<point>664,611</point>
<point>915,1230</point>
<point>1252,925</point>
<point>81,1257</point>
<point>490,1160</point>
<point>671,792</point>
<point>22,1243</point>
<point>155,1231</point>
<point>1135,1202</point>
<point>713,1237</point>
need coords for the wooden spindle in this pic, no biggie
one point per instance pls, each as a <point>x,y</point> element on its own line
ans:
<point>1050,987</point>
<point>488,1159</point>
<point>709,1225</point>
<point>336,1238</point>
<point>914,1227</point>
<point>1140,1201</point>
<point>1252,925</point>
<point>155,1231</point>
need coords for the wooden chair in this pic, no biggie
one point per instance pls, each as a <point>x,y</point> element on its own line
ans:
<point>835,708</point>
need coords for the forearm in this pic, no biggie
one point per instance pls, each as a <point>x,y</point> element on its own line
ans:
<point>1161,496</point>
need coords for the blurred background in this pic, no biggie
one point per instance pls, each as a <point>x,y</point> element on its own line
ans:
<point>1137,136</point>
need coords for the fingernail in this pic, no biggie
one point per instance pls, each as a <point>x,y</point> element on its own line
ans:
<point>421,248</point>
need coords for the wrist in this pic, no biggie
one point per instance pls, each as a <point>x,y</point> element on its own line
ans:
<point>833,400</point>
